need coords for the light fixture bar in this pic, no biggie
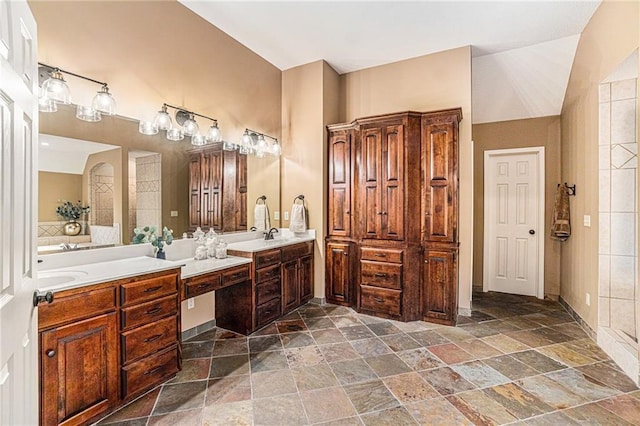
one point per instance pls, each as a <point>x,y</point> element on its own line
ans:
<point>51,69</point>
<point>190,112</point>
<point>260,134</point>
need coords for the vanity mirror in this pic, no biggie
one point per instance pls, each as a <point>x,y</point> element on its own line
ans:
<point>128,179</point>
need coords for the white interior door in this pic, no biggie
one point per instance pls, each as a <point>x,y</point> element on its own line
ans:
<point>18,156</point>
<point>514,222</point>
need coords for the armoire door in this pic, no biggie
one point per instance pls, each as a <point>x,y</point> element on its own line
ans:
<point>339,273</point>
<point>340,172</point>
<point>392,188</point>
<point>211,191</point>
<point>371,162</point>
<point>440,180</point>
<point>439,279</point>
<point>195,177</point>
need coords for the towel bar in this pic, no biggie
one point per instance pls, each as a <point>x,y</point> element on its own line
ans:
<point>571,190</point>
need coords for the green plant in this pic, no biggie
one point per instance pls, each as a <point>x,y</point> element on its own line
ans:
<point>69,211</point>
<point>148,235</point>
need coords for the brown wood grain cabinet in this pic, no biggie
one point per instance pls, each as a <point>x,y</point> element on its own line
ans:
<point>397,176</point>
<point>103,344</point>
<point>217,189</point>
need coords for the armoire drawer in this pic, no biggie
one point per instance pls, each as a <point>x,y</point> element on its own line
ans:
<point>381,274</point>
<point>381,255</point>
<point>380,300</point>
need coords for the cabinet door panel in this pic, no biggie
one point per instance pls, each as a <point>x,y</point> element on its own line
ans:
<point>440,286</point>
<point>305,278</point>
<point>241,195</point>
<point>340,183</point>
<point>392,184</point>
<point>440,182</point>
<point>79,370</point>
<point>372,216</point>
<point>195,176</point>
<point>338,272</point>
<point>290,296</point>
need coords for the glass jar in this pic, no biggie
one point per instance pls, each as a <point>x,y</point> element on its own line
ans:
<point>201,253</point>
<point>221,249</point>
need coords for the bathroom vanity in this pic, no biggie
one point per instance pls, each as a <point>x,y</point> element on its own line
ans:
<point>113,328</point>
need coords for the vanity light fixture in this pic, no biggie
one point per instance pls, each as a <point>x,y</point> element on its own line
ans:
<point>254,142</point>
<point>55,90</point>
<point>187,126</point>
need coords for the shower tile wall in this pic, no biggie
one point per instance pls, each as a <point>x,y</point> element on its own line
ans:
<point>102,195</point>
<point>132,199</point>
<point>148,198</point>
<point>618,205</point>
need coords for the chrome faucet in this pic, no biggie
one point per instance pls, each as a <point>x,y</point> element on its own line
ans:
<point>67,246</point>
<point>268,235</point>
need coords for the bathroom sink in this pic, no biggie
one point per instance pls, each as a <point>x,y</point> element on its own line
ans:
<point>48,279</point>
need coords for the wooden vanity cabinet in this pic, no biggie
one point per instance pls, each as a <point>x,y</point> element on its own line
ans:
<point>217,189</point>
<point>297,275</point>
<point>78,356</point>
<point>103,344</point>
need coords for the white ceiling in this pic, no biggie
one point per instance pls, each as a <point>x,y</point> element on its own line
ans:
<point>352,35</point>
<point>66,155</point>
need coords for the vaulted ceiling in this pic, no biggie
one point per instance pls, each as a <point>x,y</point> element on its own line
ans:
<point>522,50</point>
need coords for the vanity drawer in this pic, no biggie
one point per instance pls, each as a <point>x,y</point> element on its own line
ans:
<point>380,300</point>
<point>201,285</point>
<point>297,250</point>
<point>148,289</point>
<point>381,274</point>
<point>75,305</point>
<point>267,291</point>
<point>381,255</point>
<point>269,311</point>
<point>235,275</point>
<point>149,338</point>
<point>149,371</point>
<point>267,258</point>
<point>148,312</point>
<point>267,273</point>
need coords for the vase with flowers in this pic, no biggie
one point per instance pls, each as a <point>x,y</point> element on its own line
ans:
<point>148,234</point>
<point>71,213</point>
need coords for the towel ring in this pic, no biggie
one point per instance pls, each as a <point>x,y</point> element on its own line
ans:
<point>263,198</point>
<point>299,197</point>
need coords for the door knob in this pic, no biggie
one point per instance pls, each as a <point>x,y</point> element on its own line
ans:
<point>51,353</point>
<point>532,232</point>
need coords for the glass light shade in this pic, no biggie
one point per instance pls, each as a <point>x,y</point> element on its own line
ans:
<point>190,127</point>
<point>198,139</point>
<point>56,89</point>
<point>147,128</point>
<point>246,139</point>
<point>262,144</point>
<point>259,153</point>
<point>175,134</point>
<point>244,150</point>
<point>276,149</point>
<point>214,135</point>
<point>87,113</point>
<point>163,120</point>
<point>228,146</point>
<point>46,105</point>
<point>103,102</point>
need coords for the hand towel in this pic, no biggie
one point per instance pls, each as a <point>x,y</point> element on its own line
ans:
<point>561,222</point>
<point>298,220</point>
<point>261,217</point>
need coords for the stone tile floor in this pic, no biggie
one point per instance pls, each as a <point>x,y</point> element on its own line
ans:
<point>516,360</point>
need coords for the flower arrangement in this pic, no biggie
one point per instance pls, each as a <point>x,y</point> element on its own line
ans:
<point>72,212</point>
<point>148,235</point>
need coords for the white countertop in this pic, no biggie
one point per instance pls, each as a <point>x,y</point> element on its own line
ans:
<point>262,244</point>
<point>94,273</point>
<point>194,267</point>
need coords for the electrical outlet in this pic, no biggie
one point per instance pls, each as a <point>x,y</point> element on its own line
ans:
<point>191,303</point>
<point>286,215</point>
<point>588,299</point>
<point>586,220</point>
<point>174,213</point>
<point>276,215</point>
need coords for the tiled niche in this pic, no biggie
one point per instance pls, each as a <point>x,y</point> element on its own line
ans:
<point>618,207</point>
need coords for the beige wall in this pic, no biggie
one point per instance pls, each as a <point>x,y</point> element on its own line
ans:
<point>53,188</point>
<point>544,131</point>
<point>609,38</point>
<point>438,81</point>
<point>309,103</point>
